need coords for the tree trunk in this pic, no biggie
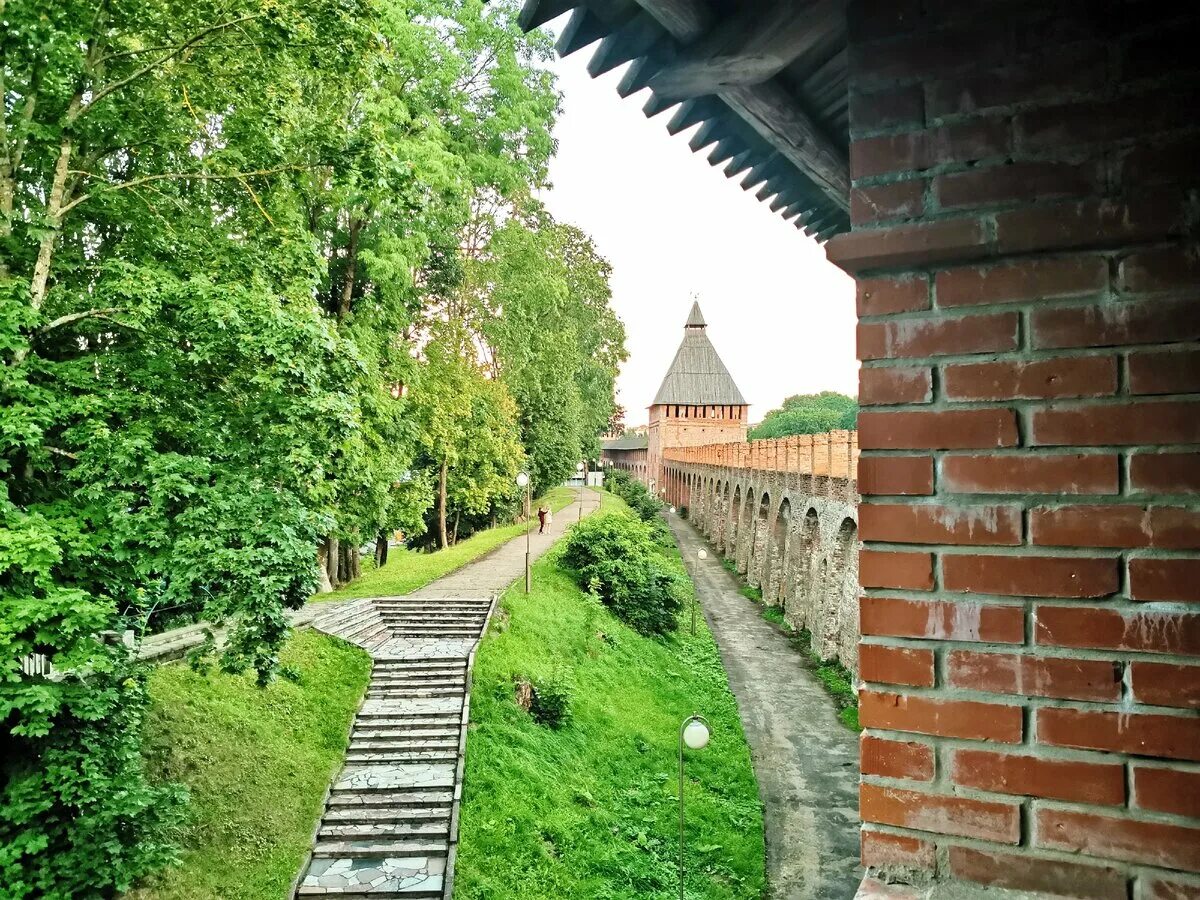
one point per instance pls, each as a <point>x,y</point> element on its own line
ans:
<point>331,556</point>
<point>442,539</point>
<point>345,562</point>
<point>457,517</point>
<point>355,562</point>
<point>381,549</point>
<point>351,269</point>
<point>55,201</point>
<point>324,585</point>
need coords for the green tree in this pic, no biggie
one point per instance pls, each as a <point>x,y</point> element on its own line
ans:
<point>808,414</point>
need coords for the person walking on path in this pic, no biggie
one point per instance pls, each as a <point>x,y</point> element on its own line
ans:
<point>543,518</point>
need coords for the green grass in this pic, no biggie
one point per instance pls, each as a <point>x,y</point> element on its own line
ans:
<point>408,570</point>
<point>256,762</point>
<point>590,810</point>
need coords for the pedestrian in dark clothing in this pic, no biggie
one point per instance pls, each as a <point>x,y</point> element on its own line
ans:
<point>541,519</point>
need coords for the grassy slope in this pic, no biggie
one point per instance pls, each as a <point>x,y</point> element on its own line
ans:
<point>590,811</point>
<point>407,570</point>
<point>257,764</point>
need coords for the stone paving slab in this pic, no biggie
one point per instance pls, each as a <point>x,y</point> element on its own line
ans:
<point>390,825</point>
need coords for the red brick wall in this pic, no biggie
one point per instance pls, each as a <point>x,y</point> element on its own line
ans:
<point>1025,243</point>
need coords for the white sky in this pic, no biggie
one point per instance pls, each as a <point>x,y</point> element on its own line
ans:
<point>780,316</point>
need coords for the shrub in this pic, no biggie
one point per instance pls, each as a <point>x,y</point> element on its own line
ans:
<point>634,493</point>
<point>620,559</point>
<point>550,704</point>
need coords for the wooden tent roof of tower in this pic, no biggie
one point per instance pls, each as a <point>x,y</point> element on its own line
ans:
<point>697,377</point>
<point>765,81</point>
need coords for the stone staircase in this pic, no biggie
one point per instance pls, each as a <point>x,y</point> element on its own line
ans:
<point>390,824</point>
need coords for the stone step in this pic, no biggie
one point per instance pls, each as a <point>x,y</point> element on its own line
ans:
<point>421,615</point>
<point>370,831</point>
<point>401,757</point>
<point>455,681</point>
<point>360,814</point>
<point>371,734</point>
<point>414,690</point>
<point>383,849</point>
<point>402,746</point>
<point>452,720</point>
<point>452,670</point>
<point>392,797</point>
<point>428,889</point>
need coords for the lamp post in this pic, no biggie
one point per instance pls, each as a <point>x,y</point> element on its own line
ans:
<point>693,733</point>
<point>701,555</point>
<point>581,469</point>
<point>523,482</point>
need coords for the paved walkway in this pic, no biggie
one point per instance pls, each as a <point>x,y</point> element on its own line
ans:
<point>390,826</point>
<point>805,759</point>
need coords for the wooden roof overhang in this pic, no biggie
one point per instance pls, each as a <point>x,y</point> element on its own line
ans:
<point>764,79</point>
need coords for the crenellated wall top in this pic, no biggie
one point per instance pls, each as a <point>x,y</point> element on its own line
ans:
<point>833,454</point>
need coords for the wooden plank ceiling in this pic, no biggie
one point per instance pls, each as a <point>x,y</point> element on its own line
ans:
<point>764,79</point>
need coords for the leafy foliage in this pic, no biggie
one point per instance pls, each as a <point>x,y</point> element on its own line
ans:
<point>618,557</point>
<point>635,494</point>
<point>551,701</point>
<point>808,414</point>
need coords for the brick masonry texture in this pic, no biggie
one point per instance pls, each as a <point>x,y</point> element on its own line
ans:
<point>1026,250</point>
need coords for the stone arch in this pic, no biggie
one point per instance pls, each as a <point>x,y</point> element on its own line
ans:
<point>797,608</point>
<point>775,581</point>
<point>756,565</point>
<point>745,532</point>
<point>842,596</point>
<point>731,523</point>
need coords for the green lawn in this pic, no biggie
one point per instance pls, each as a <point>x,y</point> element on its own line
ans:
<point>256,762</point>
<point>590,811</point>
<point>408,570</point>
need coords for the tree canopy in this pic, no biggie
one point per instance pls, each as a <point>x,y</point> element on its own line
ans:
<point>808,414</point>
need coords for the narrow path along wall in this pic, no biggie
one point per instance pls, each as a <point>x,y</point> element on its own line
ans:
<point>786,512</point>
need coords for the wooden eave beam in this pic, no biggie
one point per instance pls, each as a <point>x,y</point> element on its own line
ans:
<point>536,13</point>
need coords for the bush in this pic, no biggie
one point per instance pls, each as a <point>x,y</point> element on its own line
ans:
<point>550,704</point>
<point>621,560</point>
<point>635,494</point>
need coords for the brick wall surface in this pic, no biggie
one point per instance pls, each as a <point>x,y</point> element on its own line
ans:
<point>1025,243</point>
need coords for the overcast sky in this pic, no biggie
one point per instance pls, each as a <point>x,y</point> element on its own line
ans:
<point>780,316</point>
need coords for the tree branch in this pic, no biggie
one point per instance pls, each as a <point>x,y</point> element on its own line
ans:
<point>177,176</point>
<point>103,92</point>
<point>76,316</point>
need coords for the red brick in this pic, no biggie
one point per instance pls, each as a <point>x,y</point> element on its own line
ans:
<point>1038,676</point>
<point>878,386</point>
<point>1121,423</point>
<point>960,429</point>
<point>941,620</point>
<point>930,524</point>
<point>1022,280</point>
<point>1165,684</point>
<point>919,150</point>
<point>1031,576</point>
<point>894,851</point>
<point>1058,127</point>
<point>1164,373</point>
<point>1139,734</point>
<point>1069,376</point>
<point>1165,579</point>
<point>1110,629</point>
<point>937,336</point>
<point>895,475</point>
<point>1170,163</point>
<point>1057,779</point>
<point>1087,224</point>
<point>969,44</point>
<point>1160,269</point>
<point>1156,887</point>
<point>884,296</point>
<point>925,243</point>
<point>1053,75</point>
<point>1167,790</point>
<point>895,759</point>
<point>878,203</point>
<point>1040,473</point>
<point>887,109</point>
<point>1090,526</point>
<point>1049,877</point>
<point>1015,181</point>
<point>887,569</point>
<point>1126,322</point>
<point>1109,837</point>
<point>895,665</point>
<point>948,718</point>
<point>1164,473</point>
<point>1000,822</point>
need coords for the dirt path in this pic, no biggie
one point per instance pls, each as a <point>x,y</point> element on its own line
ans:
<point>805,759</point>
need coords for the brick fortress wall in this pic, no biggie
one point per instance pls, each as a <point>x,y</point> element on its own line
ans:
<point>1024,241</point>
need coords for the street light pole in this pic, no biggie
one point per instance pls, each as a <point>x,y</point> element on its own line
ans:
<point>701,555</point>
<point>523,481</point>
<point>581,468</point>
<point>694,733</point>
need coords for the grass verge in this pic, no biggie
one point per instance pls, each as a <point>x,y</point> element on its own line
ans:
<point>256,762</point>
<point>590,810</point>
<point>408,570</point>
<point>835,677</point>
